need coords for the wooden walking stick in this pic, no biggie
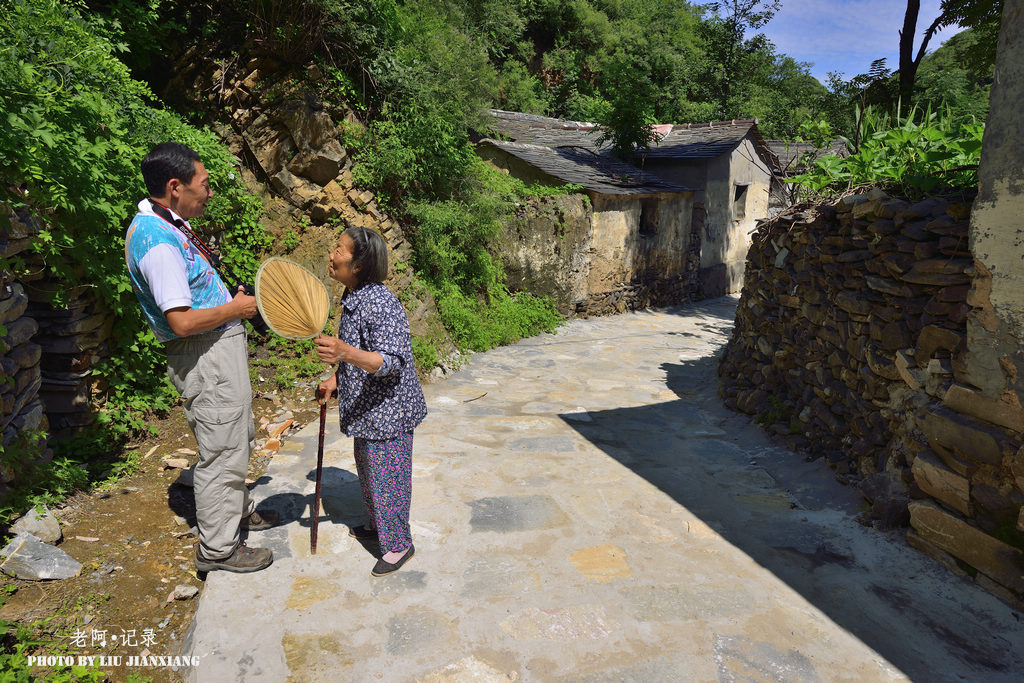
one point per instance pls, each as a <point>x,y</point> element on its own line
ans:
<point>319,471</point>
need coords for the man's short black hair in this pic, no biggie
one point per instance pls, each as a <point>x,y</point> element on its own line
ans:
<point>166,161</point>
<point>369,254</point>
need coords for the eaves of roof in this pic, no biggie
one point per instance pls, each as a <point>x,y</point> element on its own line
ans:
<point>581,166</point>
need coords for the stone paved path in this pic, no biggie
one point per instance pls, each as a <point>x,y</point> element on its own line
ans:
<point>585,509</point>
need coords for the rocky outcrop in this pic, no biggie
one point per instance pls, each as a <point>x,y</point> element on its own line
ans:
<point>857,339</point>
<point>290,140</point>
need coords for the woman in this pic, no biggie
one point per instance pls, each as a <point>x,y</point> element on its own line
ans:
<point>379,397</point>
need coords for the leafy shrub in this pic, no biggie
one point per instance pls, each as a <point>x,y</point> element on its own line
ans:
<point>481,323</point>
<point>913,155</point>
<point>452,245</point>
<point>290,362</point>
<point>77,126</point>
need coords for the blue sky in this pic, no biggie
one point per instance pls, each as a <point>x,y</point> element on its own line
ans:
<point>847,35</point>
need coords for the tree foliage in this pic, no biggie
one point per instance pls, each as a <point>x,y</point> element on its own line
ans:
<point>76,128</point>
<point>982,15</point>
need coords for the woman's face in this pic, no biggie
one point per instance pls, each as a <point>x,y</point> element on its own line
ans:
<point>339,263</point>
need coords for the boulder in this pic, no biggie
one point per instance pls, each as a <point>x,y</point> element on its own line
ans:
<point>11,307</point>
<point>1006,411</point>
<point>321,166</point>
<point>20,331</point>
<point>184,592</point>
<point>26,557</point>
<point>908,370</point>
<point>43,525</point>
<point>331,203</point>
<point>309,128</point>
<point>297,191</point>
<point>964,435</point>
<point>270,145</point>
<point>938,272</point>
<point>932,338</point>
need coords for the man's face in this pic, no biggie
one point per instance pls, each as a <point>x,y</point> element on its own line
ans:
<point>192,198</point>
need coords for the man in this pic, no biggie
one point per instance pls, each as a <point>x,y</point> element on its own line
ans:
<point>191,310</point>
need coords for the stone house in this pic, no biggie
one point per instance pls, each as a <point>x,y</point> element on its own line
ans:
<point>728,164</point>
<point>732,168</point>
<point>626,245</point>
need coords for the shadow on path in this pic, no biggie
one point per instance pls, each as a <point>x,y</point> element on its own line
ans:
<point>718,465</point>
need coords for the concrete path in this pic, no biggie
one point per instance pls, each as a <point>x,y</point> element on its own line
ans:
<point>585,509</point>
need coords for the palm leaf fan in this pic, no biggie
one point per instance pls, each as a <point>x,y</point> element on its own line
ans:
<point>292,300</point>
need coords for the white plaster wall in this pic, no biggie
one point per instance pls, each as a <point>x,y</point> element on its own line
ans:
<point>997,221</point>
<point>726,237</point>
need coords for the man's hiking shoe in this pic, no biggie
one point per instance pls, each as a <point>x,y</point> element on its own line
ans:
<point>363,533</point>
<point>242,561</point>
<point>260,520</point>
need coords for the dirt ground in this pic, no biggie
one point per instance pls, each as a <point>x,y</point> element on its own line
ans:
<point>136,543</point>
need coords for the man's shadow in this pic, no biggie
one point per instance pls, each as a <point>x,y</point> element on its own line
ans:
<point>341,502</point>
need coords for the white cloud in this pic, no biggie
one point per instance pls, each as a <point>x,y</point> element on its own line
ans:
<point>847,35</point>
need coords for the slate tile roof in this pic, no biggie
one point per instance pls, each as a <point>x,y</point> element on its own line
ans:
<point>683,141</point>
<point>583,166</point>
<point>705,140</point>
<point>532,129</point>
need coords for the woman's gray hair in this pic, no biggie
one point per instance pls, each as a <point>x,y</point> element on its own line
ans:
<point>369,254</point>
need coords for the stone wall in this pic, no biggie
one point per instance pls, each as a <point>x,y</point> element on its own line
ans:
<point>855,340</point>
<point>21,407</point>
<point>73,338</point>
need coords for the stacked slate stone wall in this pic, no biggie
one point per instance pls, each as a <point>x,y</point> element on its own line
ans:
<point>640,295</point>
<point>21,407</point>
<point>73,338</point>
<point>852,342</point>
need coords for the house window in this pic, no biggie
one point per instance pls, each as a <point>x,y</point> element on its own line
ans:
<point>648,217</point>
<point>739,202</point>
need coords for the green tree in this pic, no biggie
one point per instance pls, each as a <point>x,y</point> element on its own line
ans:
<point>727,50</point>
<point>985,15</point>
<point>630,119</point>
<point>952,79</point>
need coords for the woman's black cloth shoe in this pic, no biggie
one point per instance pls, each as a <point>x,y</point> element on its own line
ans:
<point>363,533</point>
<point>383,568</point>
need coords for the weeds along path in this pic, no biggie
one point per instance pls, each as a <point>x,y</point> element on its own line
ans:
<point>136,545</point>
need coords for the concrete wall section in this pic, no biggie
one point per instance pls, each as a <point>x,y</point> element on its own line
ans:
<point>618,253</point>
<point>747,170</point>
<point>546,249</point>
<point>997,222</point>
<point>730,220</point>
